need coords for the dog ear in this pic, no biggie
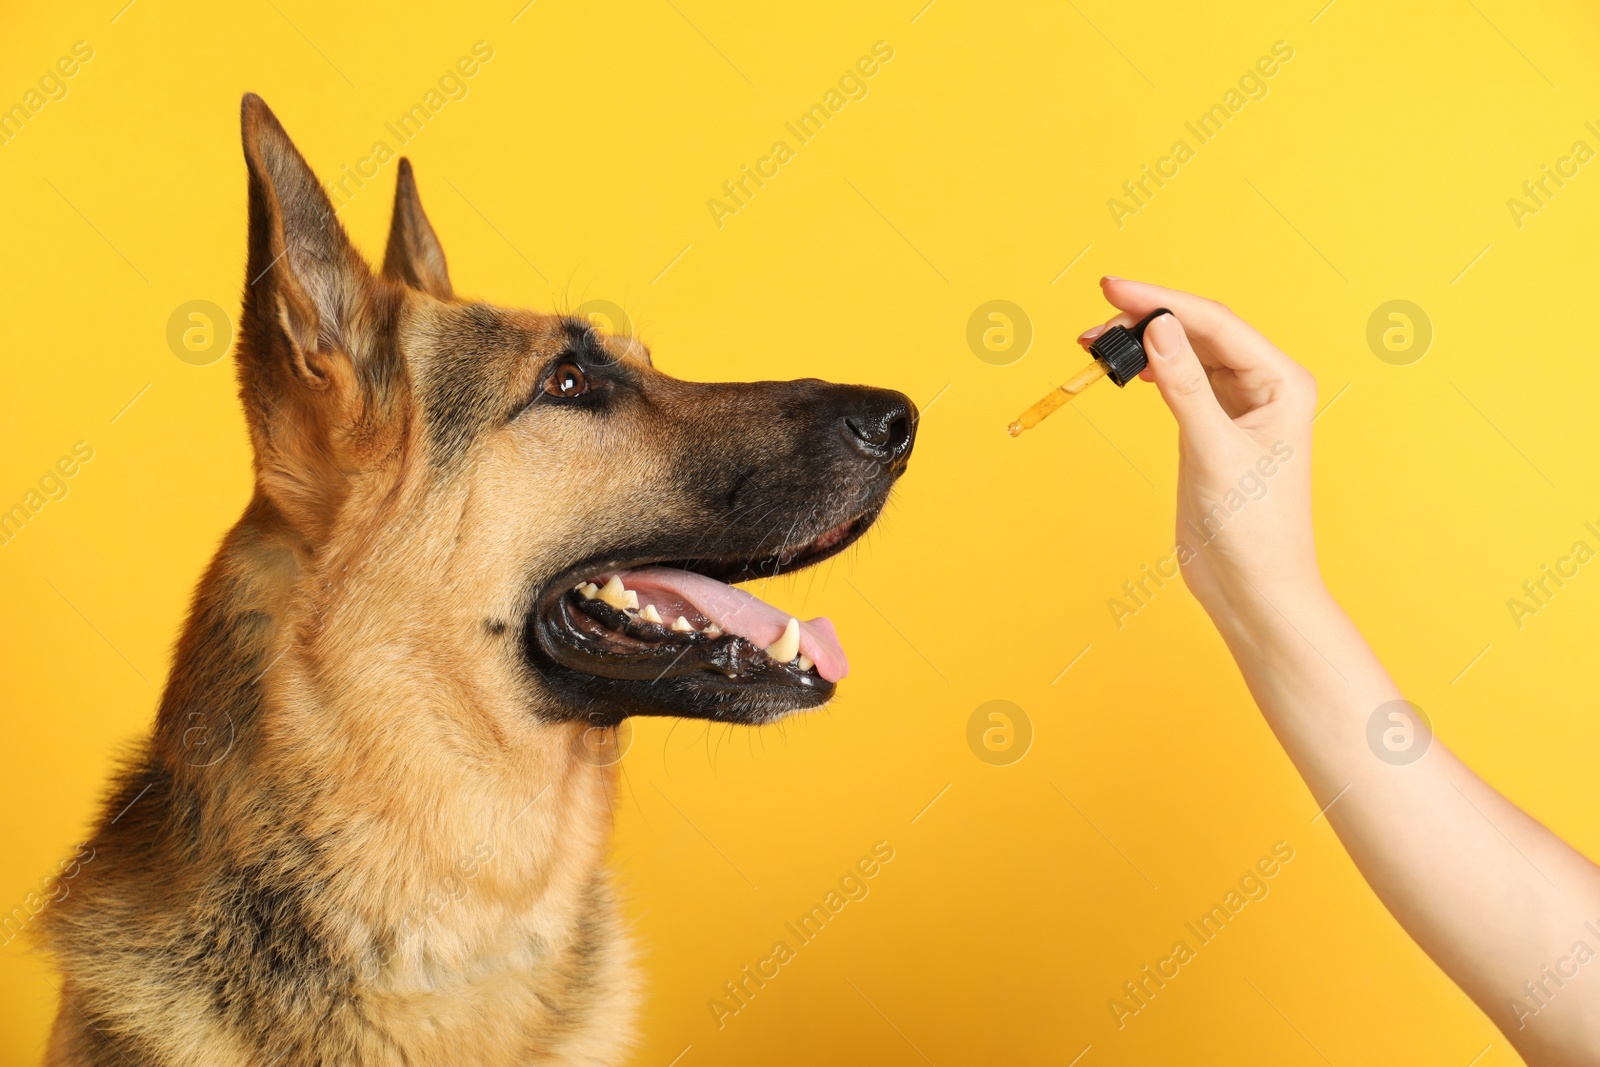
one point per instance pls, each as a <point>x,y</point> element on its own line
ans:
<point>414,255</point>
<point>314,368</point>
<point>304,277</point>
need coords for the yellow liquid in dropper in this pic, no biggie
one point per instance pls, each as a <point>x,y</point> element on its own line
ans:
<point>1057,398</point>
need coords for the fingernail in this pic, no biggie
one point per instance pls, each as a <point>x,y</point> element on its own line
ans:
<point>1091,333</point>
<point>1149,338</point>
<point>1109,278</point>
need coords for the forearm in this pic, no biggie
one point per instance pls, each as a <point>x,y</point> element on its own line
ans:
<point>1495,898</point>
<point>1488,892</point>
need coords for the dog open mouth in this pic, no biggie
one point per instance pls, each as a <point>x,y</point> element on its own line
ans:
<point>682,624</point>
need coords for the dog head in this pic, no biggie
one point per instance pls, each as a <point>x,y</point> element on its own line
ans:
<point>524,502</point>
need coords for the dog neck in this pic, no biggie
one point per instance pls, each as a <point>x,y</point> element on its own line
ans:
<point>345,739</point>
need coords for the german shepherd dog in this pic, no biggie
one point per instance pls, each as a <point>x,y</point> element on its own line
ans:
<point>370,824</point>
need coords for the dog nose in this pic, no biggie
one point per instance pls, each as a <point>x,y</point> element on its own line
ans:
<point>881,425</point>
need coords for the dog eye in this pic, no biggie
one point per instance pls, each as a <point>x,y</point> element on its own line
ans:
<point>566,380</point>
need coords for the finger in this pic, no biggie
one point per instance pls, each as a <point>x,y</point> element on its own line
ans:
<point>1223,338</point>
<point>1086,338</point>
<point>1182,380</point>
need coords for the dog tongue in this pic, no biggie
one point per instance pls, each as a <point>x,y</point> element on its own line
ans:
<point>736,612</point>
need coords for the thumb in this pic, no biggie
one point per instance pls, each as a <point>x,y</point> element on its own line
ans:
<point>1182,380</point>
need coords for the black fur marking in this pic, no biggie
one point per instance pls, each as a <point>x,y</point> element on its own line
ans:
<point>584,344</point>
<point>464,391</point>
<point>578,967</point>
<point>256,946</point>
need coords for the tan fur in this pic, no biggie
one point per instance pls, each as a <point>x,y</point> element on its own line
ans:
<point>400,763</point>
<point>364,830</point>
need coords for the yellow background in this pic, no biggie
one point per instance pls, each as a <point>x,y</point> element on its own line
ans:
<point>977,168</point>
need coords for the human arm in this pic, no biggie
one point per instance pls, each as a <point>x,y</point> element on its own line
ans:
<point>1493,897</point>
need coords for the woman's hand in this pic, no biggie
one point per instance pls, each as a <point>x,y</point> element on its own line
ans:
<point>1244,414</point>
<point>1494,897</point>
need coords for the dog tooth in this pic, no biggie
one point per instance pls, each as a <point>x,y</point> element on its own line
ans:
<point>713,630</point>
<point>683,625</point>
<point>630,599</point>
<point>649,612</point>
<point>589,590</point>
<point>804,662</point>
<point>786,647</point>
<point>613,593</point>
